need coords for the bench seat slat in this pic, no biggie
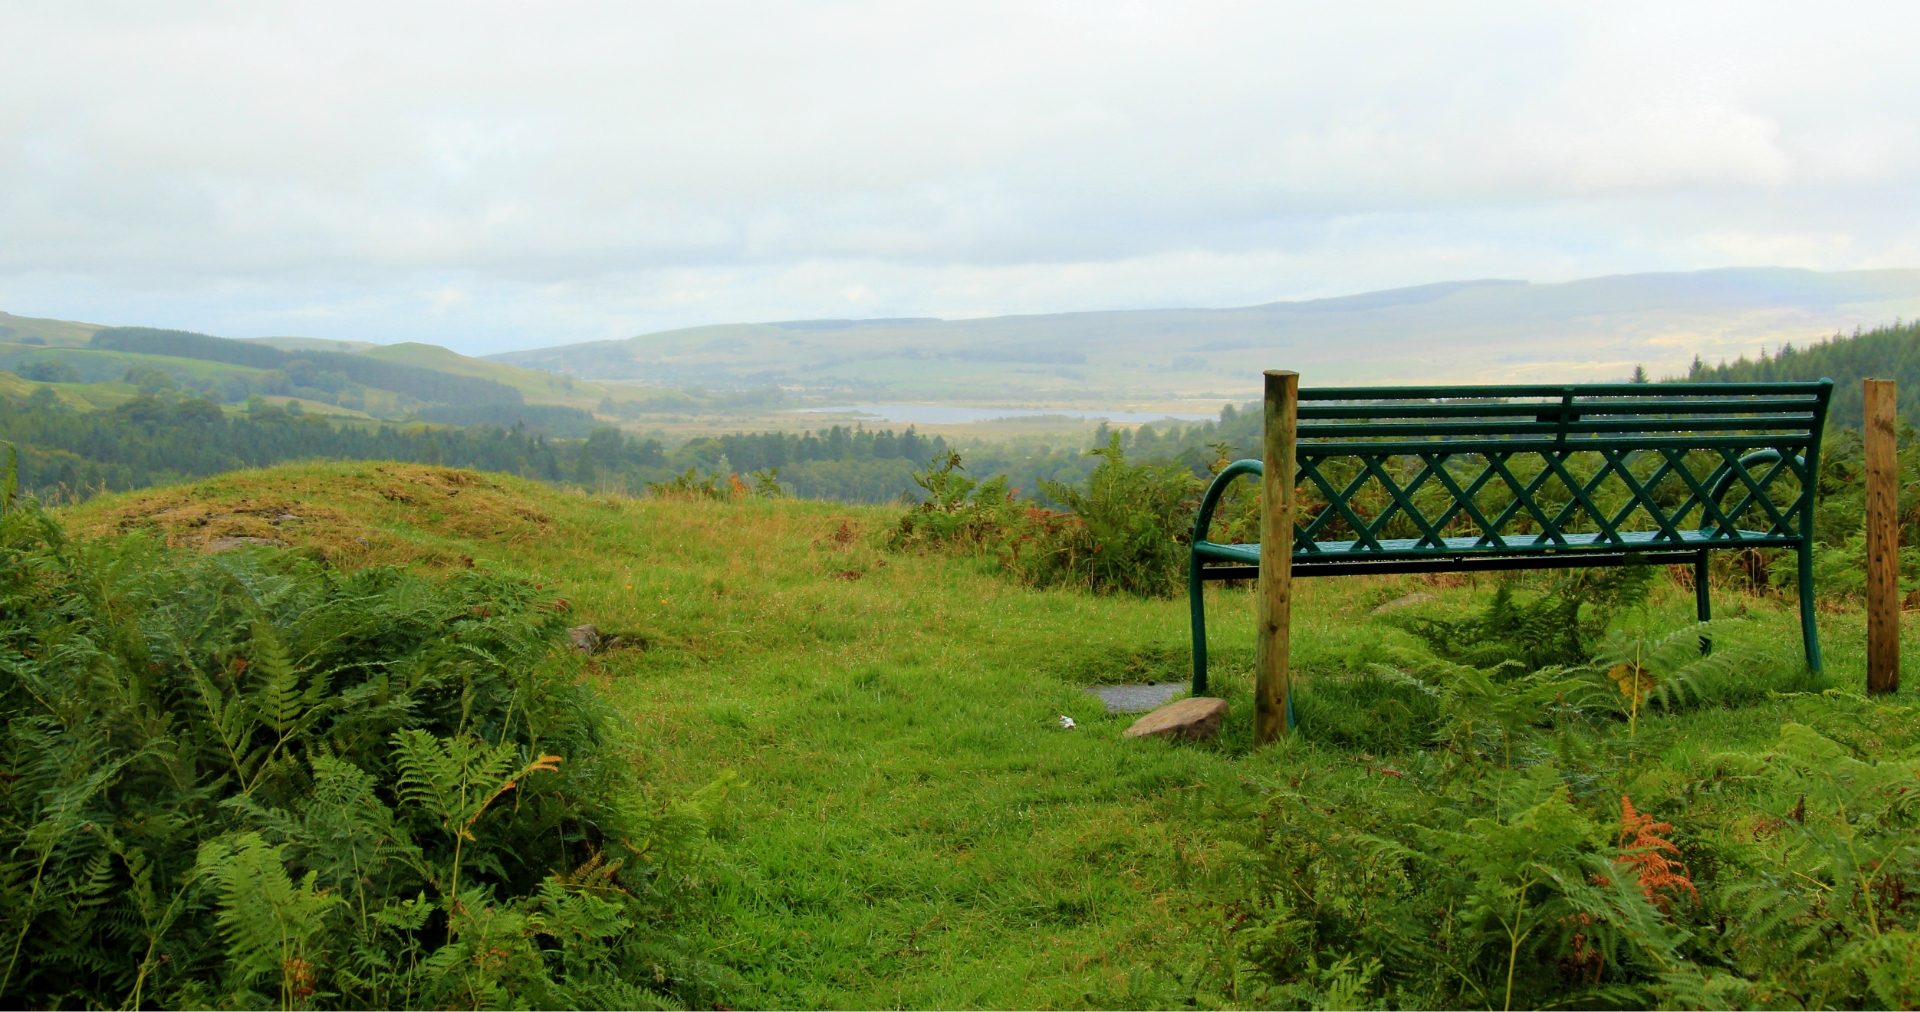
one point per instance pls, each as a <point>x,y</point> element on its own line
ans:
<point>1762,408</point>
<point>1503,392</point>
<point>1785,443</point>
<point>1517,544</point>
<point>1796,423</point>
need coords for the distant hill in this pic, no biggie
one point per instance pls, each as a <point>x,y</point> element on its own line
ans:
<point>92,366</point>
<point>325,371</point>
<point>1466,331</point>
<point>36,332</point>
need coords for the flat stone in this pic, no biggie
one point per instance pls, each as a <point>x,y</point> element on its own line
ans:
<point>1193,719</point>
<point>585,638</point>
<point>1136,698</point>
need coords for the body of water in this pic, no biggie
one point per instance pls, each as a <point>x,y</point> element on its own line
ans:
<point>956,414</point>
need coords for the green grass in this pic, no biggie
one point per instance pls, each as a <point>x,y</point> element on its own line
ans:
<point>120,360</point>
<point>85,396</point>
<point>307,406</point>
<point>908,823</point>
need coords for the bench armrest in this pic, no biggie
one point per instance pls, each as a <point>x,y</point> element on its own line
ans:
<point>1212,498</point>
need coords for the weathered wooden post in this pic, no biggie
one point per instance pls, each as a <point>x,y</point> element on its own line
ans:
<point>1272,675</point>
<point>1883,540</point>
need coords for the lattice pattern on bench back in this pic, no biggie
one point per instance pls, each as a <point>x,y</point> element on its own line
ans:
<point>1402,473</point>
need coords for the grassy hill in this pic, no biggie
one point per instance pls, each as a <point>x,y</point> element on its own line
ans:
<point>50,333</point>
<point>910,825</point>
<point>536,386</point>
<point>1477,331</point>
<point>88,363</point>
<point>85,396</point>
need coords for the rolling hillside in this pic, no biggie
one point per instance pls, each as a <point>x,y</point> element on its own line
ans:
<point>36,332</point>
<point>88,365</point>
<point>1470,331</point>
<point>748,376</point>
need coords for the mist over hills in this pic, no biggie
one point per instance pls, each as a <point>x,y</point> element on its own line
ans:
<point>1460,331</point>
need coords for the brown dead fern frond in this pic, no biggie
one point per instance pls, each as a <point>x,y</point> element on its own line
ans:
<point>1652,857</point>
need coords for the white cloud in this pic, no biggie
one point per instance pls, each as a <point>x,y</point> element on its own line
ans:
<point>592,169</point>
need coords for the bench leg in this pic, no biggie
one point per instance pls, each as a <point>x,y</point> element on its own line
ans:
<point>1702,603</point>
<point>1197,601</point>
<point>1809,631</point>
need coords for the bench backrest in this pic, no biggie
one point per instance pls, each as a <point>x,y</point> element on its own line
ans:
<point>1521,467</point>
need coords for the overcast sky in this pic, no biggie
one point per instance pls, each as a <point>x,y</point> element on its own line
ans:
<point>494,176</point>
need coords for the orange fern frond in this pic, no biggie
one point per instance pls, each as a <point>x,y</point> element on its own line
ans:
<point>1652,857</point>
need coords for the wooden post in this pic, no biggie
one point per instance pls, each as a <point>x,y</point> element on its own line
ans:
<point>1883,541</point>
<point>1272,676</point>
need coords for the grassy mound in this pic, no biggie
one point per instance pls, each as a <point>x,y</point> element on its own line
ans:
<point>348,514</point>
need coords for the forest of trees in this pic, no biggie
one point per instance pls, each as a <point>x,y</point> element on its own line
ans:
<point>157,439</point>
<point>68,454</point>
<point>1890,352</point>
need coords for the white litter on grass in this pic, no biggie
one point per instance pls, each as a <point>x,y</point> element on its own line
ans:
<point>1066,723</point>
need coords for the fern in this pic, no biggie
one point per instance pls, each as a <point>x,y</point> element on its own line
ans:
<point>1667,670</point>
<point>227,733</point>
<point>268,922</point>
<point>9,480</point>
<point>1556,625</point>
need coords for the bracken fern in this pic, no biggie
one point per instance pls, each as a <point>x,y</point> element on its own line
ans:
<point>251,780</point>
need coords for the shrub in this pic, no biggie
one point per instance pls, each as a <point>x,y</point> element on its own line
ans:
<point>959,512</point>
<point>1128,533</point>
<point>251,780</point>
<point>689,485</point>
<point>1125,532</point>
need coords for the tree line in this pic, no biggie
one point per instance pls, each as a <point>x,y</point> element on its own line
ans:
<point>1889,352</point>
<point>68,454</point>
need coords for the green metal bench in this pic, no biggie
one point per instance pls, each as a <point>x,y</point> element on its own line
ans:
<point>1457,479</point>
